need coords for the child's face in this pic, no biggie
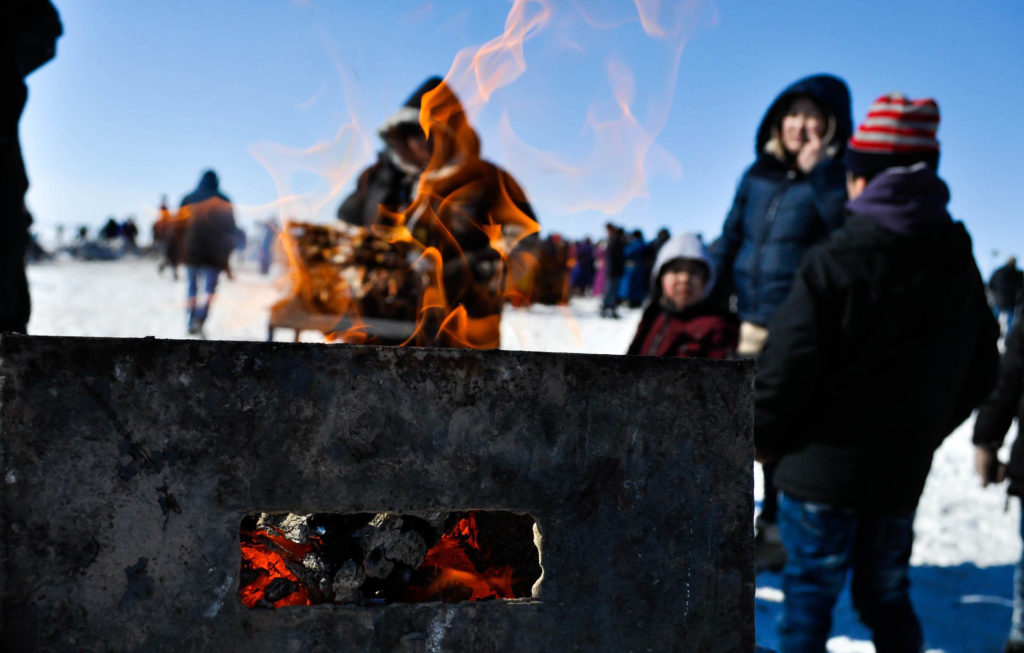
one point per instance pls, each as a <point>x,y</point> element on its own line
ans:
<point>683,281</point>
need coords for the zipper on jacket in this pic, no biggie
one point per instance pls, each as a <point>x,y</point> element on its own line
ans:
<point>769,218</point>
<point>658,337</point>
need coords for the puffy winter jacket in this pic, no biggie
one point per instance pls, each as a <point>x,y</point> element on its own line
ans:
<point>210,234</point>
<point>883,347</point>
<point>778,212</point>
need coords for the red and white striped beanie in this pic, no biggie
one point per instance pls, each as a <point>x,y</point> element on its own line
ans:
<point>897,132</point>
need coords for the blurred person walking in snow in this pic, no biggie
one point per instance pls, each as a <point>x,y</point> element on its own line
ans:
<point>994,418</point>
<point>613,269</point>
<point>1006,285</point>
<point>678,320</point>
<point>884,345</point>
<point>28,34</point>
<point>209,241</point>
<point>789,199</point>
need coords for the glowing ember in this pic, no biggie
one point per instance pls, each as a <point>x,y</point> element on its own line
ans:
<point>373,559</point>
<point>267,556</point>
<point>458,575</point>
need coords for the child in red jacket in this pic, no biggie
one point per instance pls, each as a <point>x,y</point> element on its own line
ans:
<point>678,321</point>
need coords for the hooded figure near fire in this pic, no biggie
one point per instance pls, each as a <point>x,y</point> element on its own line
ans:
<point>464,214</point>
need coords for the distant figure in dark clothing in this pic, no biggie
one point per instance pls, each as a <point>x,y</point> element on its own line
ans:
<point>678,320</point>
<point>1005,287</point>
<point>129,232</point>
<point>209,240</point>
<point>1004,404</point>
<point>614,267</point>
<point>109,230</point>
<point>551,283</point>
<point>28,35</point>
<point>884,345</point>
<point>637,274</point>
<point>582,275</point>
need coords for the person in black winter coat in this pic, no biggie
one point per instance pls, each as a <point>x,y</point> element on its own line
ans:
<point>209,241</point>
<point>28,34</point>
<point>995,416</point>
<point>1006,285</point>
<point>884,345</point>
<point>789,199</point>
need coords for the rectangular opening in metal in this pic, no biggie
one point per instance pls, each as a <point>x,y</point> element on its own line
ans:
<point>290,559</point>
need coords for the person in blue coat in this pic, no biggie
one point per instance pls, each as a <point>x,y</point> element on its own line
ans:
<point>790,198</point>
<point>635,279</point>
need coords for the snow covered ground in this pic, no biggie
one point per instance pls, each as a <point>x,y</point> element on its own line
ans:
<point>966,543</point>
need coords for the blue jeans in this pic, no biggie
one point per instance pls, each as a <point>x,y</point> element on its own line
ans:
<point>823,543</point>
<point>199,308</point>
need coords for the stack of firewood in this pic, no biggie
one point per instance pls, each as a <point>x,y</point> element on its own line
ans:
<point>348,270</point>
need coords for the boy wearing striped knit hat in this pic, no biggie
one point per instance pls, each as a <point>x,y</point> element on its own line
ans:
<point>884,345</point>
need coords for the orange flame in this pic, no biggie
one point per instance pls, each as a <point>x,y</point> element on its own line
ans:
<point>466,225</point>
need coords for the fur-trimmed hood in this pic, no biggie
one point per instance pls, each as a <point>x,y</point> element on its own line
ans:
<point>827,91</point>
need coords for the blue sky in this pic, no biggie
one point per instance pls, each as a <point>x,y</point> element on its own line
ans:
<point>282,97</point>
